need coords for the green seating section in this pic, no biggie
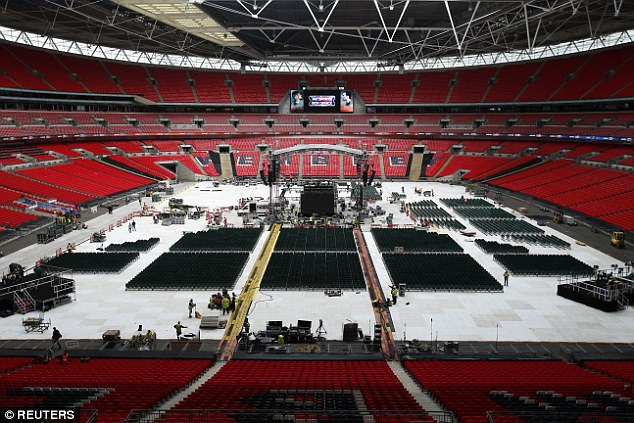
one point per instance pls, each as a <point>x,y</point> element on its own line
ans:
<point>94,262</point>
<point>427,209</point>
<point>543,265</point>
<point>493,247</point>
<point>221,240</point>
<point>439,272</point>
<point>316,239</point>
<point>466,202</point>
<point>309,271</point>
<point>414,241</point>
<point>191,271</point>
<point>139,246</point>
<point>504,226</point>
<point>541,240</point>
<point>483,213</point>
<point>450,223</point>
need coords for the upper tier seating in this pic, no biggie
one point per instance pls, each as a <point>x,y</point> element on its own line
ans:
<point>319,386</point>
<point>118,385</point>
<point>248,88</point>
<point>134,79</point>
<point>173,85</point>
<point>600,74</point>
<point>469,388</point>
<point>92,74</point>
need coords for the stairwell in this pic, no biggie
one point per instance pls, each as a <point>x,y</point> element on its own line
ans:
<point>193,86</point>
<point>422,398</point>
<point>226,166</point>
<point>22,302</point>
<point>382,166</point>
<point>416,167</point>
<point>181,395</point>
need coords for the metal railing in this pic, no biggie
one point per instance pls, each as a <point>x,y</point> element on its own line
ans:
<point>259,415</point>
<point>557,416</point>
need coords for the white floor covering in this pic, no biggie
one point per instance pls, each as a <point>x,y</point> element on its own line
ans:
<point>527,310</point>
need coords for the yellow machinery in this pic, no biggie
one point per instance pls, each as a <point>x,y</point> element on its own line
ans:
<point>618,239</point>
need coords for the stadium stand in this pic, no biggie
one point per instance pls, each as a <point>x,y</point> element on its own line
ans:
<point>112,386</point>
<point>322,387</point>
<point>472,388</point>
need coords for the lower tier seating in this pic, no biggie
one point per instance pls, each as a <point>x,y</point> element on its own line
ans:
<point>623,370</point>
<point>112,386</point>
<point>43,190</point>
<point>94,262</point>
<point>13,218</point>
<point>439,272</point>
<point>472,388</point>
<point>543,265</point>
<point>307,390</point>
<point>309,271</point>
<point>191,271</point>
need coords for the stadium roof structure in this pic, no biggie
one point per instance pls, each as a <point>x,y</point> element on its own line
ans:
<point>378,34</point>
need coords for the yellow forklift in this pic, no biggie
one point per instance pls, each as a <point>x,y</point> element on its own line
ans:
<point>618,239</point>
<point>558,216</point>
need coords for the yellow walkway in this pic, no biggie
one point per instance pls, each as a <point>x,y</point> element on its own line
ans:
<point>250,290</point>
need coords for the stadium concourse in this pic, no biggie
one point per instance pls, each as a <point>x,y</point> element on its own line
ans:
<point>527,310</point>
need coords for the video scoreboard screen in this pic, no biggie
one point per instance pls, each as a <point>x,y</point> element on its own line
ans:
<point>322,101</point>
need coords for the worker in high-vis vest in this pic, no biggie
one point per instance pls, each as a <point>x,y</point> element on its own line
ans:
<point>394,294</point>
